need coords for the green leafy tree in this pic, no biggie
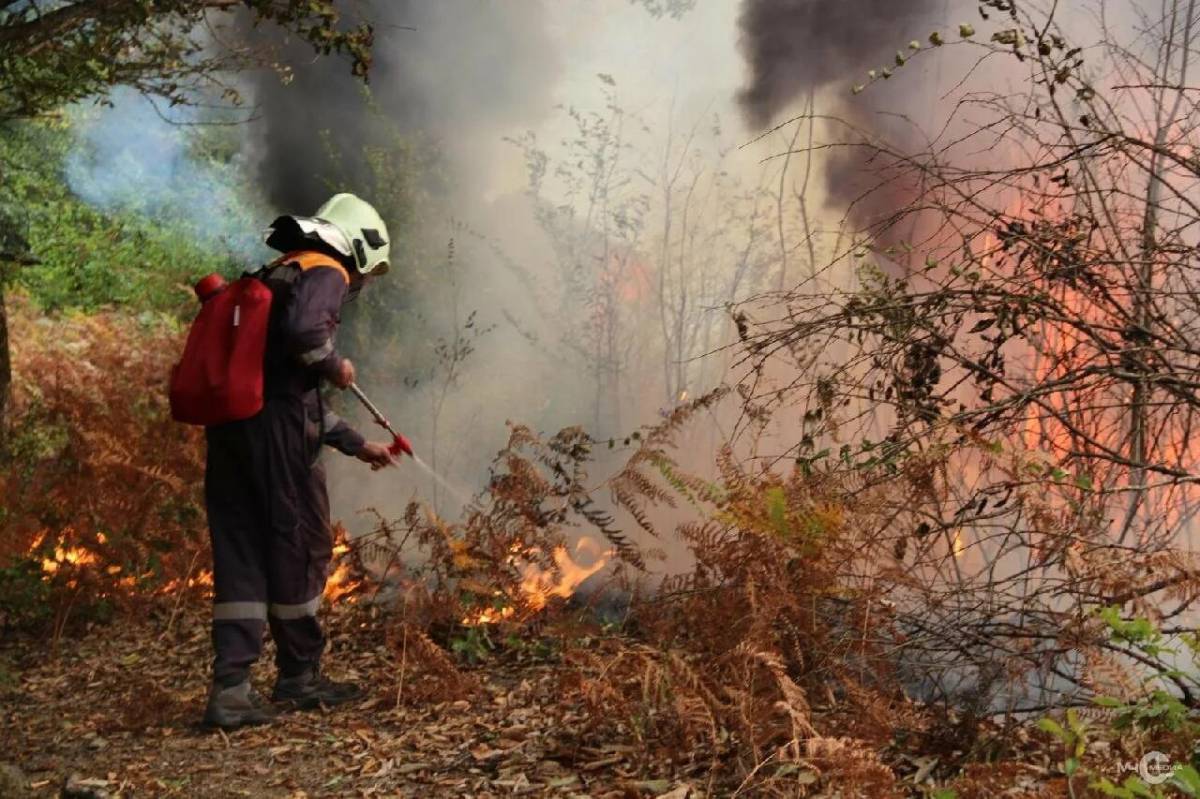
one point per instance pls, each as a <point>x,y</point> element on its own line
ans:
<point>57,52</point>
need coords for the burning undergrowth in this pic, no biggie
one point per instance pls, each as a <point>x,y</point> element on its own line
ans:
<point>521,549</point>
<point>768,662</point>
<point>534,536</point>
<point>781,661</point>
<point>92,520</point>
<point>776,662</point>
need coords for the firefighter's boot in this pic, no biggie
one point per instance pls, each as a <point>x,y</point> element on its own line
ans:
<point>309,690</point>
<point>235,706</point>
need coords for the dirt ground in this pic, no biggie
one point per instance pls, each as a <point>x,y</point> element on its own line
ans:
<point>115,712</point>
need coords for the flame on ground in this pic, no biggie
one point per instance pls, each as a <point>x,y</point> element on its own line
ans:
<point>341,583</point>
<point>490,616</point>
<point>204,579</point>
<point>67,561</point>
<point>64,556</point>
<point>539,585</point>
<point>536,588</point>
<point>67,556</point>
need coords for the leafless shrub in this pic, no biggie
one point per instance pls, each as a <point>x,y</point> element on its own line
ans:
<point>1016,348</point>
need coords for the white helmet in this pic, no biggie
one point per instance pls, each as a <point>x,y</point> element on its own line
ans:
<point>347,224</point>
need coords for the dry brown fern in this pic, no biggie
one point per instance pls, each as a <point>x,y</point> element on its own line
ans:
<point>425,672</point>
<point>97,479</point>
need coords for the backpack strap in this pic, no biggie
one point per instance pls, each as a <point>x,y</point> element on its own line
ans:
<point>309,259</point>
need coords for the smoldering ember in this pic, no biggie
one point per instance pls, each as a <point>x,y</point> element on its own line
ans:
<point>640,398</point>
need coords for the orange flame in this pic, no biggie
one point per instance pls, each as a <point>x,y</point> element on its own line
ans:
<point>38,539</point>
<point>490,616</point>
<point>67,557</point>
<point>341,582</point>
<point>539,585</point>
<point>203,579</point>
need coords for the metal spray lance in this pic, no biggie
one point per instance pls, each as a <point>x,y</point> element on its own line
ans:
<point>399,442</point>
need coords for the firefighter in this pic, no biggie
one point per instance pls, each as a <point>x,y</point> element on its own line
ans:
<point>268,511</point>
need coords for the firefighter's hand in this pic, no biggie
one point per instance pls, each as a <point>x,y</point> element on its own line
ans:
<point>343,376</point>
<point>375,454</point>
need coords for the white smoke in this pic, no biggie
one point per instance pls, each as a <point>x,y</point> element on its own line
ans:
<point>135,156</point>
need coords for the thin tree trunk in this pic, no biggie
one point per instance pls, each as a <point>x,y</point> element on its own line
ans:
<point>1143,296</point>
<point>787,159</point>
<point>802,194</point>
<point>5,370</point>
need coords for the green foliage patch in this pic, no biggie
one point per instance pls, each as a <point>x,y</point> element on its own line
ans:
<point>86,258</point>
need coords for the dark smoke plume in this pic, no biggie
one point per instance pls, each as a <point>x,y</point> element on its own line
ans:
<point>459,72</point>
<point>793,47</point>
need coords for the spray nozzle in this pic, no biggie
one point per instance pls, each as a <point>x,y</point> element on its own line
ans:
<point>400,444</point>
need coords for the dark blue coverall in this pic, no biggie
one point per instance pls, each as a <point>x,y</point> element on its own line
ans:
<point>268,510</point>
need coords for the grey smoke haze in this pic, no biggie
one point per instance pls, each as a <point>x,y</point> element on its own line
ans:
<point>468,74</point>
<point>792,47</point>
<point>459,76</point>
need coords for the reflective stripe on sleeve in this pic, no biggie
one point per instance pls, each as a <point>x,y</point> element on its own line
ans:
<point>317,354</point>
<point>300,611</point>
<point>238,611</point>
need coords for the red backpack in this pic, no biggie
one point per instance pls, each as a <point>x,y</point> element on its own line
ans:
<point>219,379</point>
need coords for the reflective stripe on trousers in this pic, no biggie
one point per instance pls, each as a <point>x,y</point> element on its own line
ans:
<point>300,611</point>
<point>237,611</point>
<point>258,611</point>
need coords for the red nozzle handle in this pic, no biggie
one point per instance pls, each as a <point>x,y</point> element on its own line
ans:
<point>400,444</point>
